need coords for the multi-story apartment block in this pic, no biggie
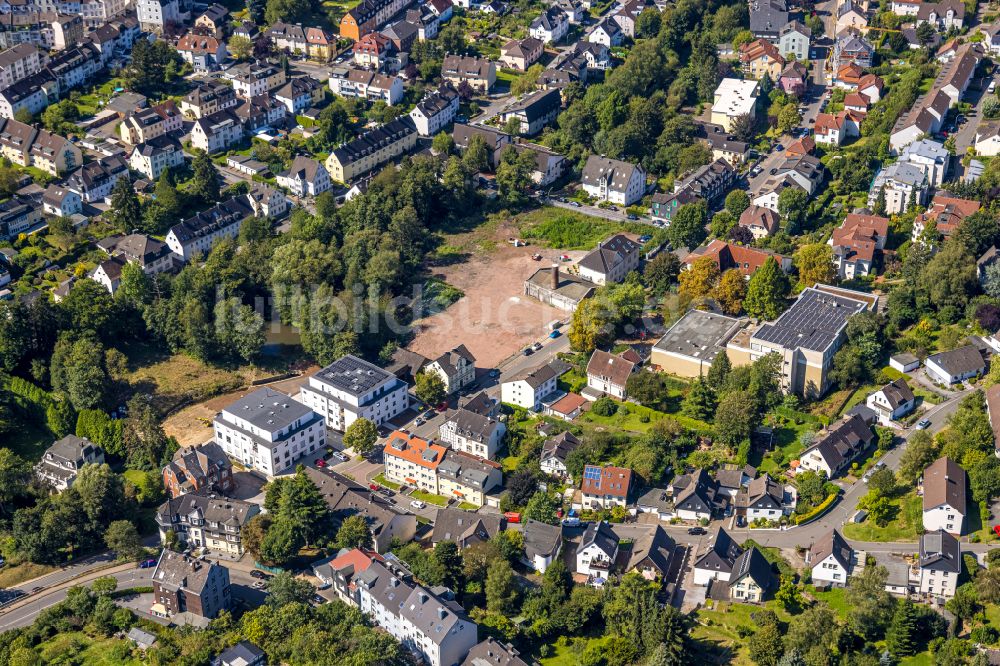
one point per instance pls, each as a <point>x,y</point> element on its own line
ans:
<point>611,180</point>
<point>267,201</point>
<point>256,78</point>
<point>412,460</point>
<point>478,73</point>
<point>156,15</point>
<point>351,388</point>
<point>611,260</point>
<point>940,561</point>
<point>149,254</point>
<point>200,521</point>
<point>530,387</point>
<point>834,450</point>
<point>26,146</point>
<point>467,478</point>
<point>368,16</point>
<point>208,98</point>
<point>199,233</point>
<point>184,584</point>
<point>305,177</point>
<point>95,180</point>
<point>605,487</point>
<point>153,157</point>
<point>268,431</point>
<point>372,149</point>
<point>435,111</point>
<point>217,132</point>
<point>945,485</point>
<point>141,126</point>
<point>62,461</point>
<point>20,62</point>
<point>198,469</point>
<point>299,94</point>
<point>473,433</point>
<point>366,84</point>
<point>17,215</point>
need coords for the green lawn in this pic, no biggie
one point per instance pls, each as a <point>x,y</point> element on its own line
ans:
<point>834,598</point>
<point>382,481</point>
<point>569,230</point>
<point>28,440</point>
<point>922,659</point>
<point>76,647</point>
<point>15,574</point>
<point>717,625</point>
<point>787,446</point>
<point>905,526</point>
<point>430,498</point>
<point>640,419</point>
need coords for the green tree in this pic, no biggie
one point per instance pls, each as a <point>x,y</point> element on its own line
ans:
<point>737,201</point>
<point>662,270</point>
<point>920,451</point>
<point>239,329</point>
<point>429,387</point>
<point>78,371</point>
<point>870,607</point>
<point>126,210</point>
<point>719,370</point>
<point>793,206</point>
<point>687,229</point>
<point>513,175</point>
<point>205,183</point>
<point>735,417</point>
<point>361,436</point>
<point>443,144</point>
<point>700,402</point>
<point>815,264</point>
<point>901,637</point>
<point>731,292</point>
<point>241,48</point>
<point>284,588</point>
<point>766,647</point>
<point>788,117</point>
<point>542,507</point>
<point>354,533</point>
<point>123,538</point>
<point>501,588</point>
<point>289,11</point>
<point>767,291</point>
<point>477,156</point>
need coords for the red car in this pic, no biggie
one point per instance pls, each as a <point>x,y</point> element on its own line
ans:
<point>373,486</point>
<point>320,462</point>
<point>512,517</point>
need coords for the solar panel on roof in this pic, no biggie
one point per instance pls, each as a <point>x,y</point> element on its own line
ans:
<point>592,473</point>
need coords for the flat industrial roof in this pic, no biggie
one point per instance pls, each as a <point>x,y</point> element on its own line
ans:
<point>813,322</point>
<point>699,335</point>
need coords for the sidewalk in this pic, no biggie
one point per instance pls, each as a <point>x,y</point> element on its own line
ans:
<point>91,575</point>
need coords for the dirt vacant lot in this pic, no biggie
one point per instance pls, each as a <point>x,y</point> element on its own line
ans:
<point>494,318</point>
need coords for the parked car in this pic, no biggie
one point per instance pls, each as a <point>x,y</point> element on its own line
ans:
<point>386,492</point>
<point>633,217</point>
<point>528,351</point>
<point>373,486</point>
<point>554,334</point>
<point>417,504</point>
<point>571,521</point>
<point>317,599</point>
<point>259,585</point>
<point>147,564</point>
<point>697,531</point>
<point>512,516</point>
<point>320,462</point>
<point>923,424</point>
<point>339,456</point>
<point>257,573</point>
<point>536,346</point>
<point>575,204</point>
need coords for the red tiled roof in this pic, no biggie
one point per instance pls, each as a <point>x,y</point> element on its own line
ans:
<point>610,481</point>
<point>726,255</point>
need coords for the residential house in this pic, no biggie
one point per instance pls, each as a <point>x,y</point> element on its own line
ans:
<point>555,450</point>
<point>612,180</point>
<point>376,51</point>
<point>957,365</point>
<point>495,140</point>
<point>694,495</point>
<point>664,206</point>
<point>724,146</point>
<point>157,15</point>
<point>764,499</point>
<point>61,201</point>
<point>199,233</point>
<point>740,257</point>
<point>834,129</point>
<point>605,487</point>
<point>834,451</point>
<point>200,521</point>
<point>95,180</point>
<point>762,222</point>
<point>299,94</point>
<point>856,242</point>
<point>902,185</point>
<point>850,16</point>
<point>185,584</point>
<point>929,156</point>
<point>550,26</point>
<point>848,76</point>
<point>468,478</point>
<point>988,138</point>
<point>287,37</point>
<point>435,111</point>
<point>529,388</point>
<point>217,132</point>
<point>367,16</point>
<point>456,368</point>
<point>542,543</point>
<point>945,486</point>
<point>520,54</point>
<point>243,653</point>
<point>372,149</point>
<point>793,39</point>
<point>611,261</point>
<point>62,461</point>
<point>203,52</point>
<point>734,98</point>
<point>768,17</point>
<point>710,182</point>
<point>573,9</point>
<point>940,562</point>
<point>718,561</point>
<point>607,33</point>
<point>406,365</point>
<point>549,166</point>
<point>268,431</point>
<point>609,549</point>
<point>208,98</point>
<point>19,62</point>
<point>473,433</point>
<point>607,374</point>
<point>491,652</point>
<point>155,156</point>
<point>351,388</point>
<point>18,215</point>
<point>794,78</point>
<point>267,201</point>
<point>993,411</point>
<point>255,78</point>
<point>201,469</point>
<point>892,402</point>
<point>213,19</point>
<point>944,215</point>
<point>831,560</point>
<point>464,528</point>
<point>25,145</point>
<point>943,16</point>
<point>366,84</point>
<point>345,498</point>
<point>476,72</point>
<point>534,111</point>
<point>761,58</point>
<point>751,578</point>
<point>152,256</point>
<point>305,177</point>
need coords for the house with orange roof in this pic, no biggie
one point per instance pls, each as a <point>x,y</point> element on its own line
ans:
<point>320,44</point>
<point>412,460</point>
<point>871,85</point>
<point>946,213</point>
<point>339,571</point>
<point>730,256</point>
<point>761,57</point>
<point>605,487</point>
<point>804,146</point>
<point>856,101</point>
<point>762,222</point>
<point>856,244</point>
<point>848,76</point>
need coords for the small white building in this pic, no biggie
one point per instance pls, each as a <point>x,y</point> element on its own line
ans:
<point>611,260</point>
<point>945,485</point>
<point>608,374</point>
<point>733,99</point>
<point>554,453</point>
<point>904,362</point>
<point>62,461</point>
<point>830,559</point>
<point>473,433</point>
<point>530,388</point>
<point>435,111</point>
<point>456,368</point>
<point>892,402</point>
<point>305,177</point>
<point>957,365</point>
<point>611,180</point>
<point>940,564</point>
<point>717,562</point>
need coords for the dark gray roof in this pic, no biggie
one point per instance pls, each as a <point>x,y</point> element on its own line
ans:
<point>813,322</point>
<point>491,653</point>
<point>538,104</point>
<point>535,377</point>
<point>897,392</point>
<point>617,172</point>
<point>699,334</point>
<point>559,446</point>
<point>436,618</point>
<point>764,493</point>
<point>465,527</point>
<point>721,555</point>
<point>473,425</point>
<point>768,17</point>
<point>698,494</point>
<point>177,571</point>
<point>829,544</point>
<point>959,361</point>
<point>844,441</point>
<point>940,551</point>
<point>753,564</point>
<point>609,253</point>
<point>600,534</point>
<point>268,409</point>
<point>465,469</point>
<point>353,375</point>
<point>234,513</point>
<point>241,654</point>
<point>541,538</point>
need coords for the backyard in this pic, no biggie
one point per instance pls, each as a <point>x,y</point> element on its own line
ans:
<point>906,524</point>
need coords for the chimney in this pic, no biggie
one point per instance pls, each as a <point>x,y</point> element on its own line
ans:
<point>555,276</point>
<point>424,597</point>
<point>442,613</point>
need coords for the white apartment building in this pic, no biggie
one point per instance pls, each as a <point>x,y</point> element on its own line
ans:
<point>413,461</point>
<point>268,431</point>
<point>154,15</point>
<point>200,521</point>
<point>20,62</point>
<point>153,157</point>
<point>217,132</point>
<point>198,234</point>
<point>351,388</point>
<point>529,388</point>
<point>831,559</point>
<point>940,564</point>
<point>473,433</point>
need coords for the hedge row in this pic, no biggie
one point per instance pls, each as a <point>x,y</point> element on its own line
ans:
<point>817,511</point>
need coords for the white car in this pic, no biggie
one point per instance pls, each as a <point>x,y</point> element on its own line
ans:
<point>417,504</point>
